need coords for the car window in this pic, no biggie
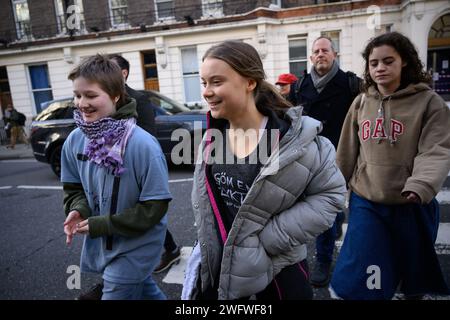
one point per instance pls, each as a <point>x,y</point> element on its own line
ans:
<point>165,103</point>
<point>57,110</point>
<point>156,101</point>
<point>159,112</point>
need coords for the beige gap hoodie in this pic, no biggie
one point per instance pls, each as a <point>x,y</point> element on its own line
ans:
<point>390,145</point>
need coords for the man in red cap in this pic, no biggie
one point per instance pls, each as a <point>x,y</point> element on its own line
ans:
<point>284,83</point>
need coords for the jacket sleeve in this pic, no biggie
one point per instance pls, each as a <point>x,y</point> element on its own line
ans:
<point>432,163</point>
<point>14,116</point>
<point>292,97</point>
<point>131,222</point>
<point>348,148</point>
<point>75,199</point>
<point>146,115</point>
<point>316,209</point>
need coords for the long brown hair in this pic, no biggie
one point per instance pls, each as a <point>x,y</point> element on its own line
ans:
<point>413,72</point>
<point>245,60</point>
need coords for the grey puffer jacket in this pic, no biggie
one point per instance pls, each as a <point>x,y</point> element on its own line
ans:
<point>293,199</point>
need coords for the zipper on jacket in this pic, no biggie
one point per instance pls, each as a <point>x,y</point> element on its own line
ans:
<point>203,245</point>
<point>382,114</point>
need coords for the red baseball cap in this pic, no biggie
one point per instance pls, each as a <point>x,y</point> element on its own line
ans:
<point>286,78</point>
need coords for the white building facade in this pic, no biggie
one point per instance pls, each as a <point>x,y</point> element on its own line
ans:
<point>283,38</point>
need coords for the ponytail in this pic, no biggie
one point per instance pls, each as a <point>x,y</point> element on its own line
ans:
<point>245,60</point>
<point>268,97</point>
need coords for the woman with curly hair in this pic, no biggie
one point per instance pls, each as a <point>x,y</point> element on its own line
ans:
<point>395,155</point>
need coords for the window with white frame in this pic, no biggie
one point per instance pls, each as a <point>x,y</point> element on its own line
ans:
<point>119,12</point>
<point>212,8</point>
<point>79,10</point>
<point>335,38</point>
<point>60,16</point>
<point>71,17</point>
<point>22,18</point>
<point>276,2</point>
<point>164,9</point>
<point>298,56</point>
<point>191,77</point>
<point>385,28</point>
<point>40,85</point>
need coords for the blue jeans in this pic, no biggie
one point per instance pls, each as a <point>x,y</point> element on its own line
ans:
<point>396,239</point>
<point>325,241</point>
<point>146,290</point>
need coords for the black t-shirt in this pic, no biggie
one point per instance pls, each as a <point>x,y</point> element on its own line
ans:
<point>231,182</point>
<point>233,176</point>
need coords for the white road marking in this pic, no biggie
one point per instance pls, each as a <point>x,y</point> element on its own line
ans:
<point>443,239</point>
<point>41,187</point>
<point>442,244</point>
<point>176,271</point>
<point>181,180</point>
<point>18,160</point>
<point>60,187</point>
<point>443,197</point>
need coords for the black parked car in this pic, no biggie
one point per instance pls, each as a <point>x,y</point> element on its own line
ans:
<point>53,125</point>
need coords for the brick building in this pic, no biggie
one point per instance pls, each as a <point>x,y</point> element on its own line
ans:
<point>164,40</point>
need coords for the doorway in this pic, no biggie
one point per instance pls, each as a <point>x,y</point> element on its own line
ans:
<point>438,63</point>
<point>150,70</point>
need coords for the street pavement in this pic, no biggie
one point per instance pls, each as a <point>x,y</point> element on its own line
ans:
<point>23,178</point>
<point>21,151</point>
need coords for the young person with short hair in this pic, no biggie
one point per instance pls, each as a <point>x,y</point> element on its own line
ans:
<point>115,183</point>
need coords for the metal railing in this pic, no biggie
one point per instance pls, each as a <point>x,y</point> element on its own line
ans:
<point>26,32</point>
<point>23,29</point>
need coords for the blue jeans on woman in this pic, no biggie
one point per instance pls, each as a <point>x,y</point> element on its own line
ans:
<point>146,290</point>
<point>325,241</point>
<point>388,245</point>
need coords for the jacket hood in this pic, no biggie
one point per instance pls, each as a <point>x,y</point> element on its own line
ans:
<point>304,129</point>
<point>409,90</point>
<point>296,133</point>
<point>126,111</point>
<point>281,124</point>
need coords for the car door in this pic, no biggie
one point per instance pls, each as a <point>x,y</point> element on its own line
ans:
<point>165,125</point>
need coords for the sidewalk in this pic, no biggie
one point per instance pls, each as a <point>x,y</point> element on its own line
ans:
<point>21,151</point>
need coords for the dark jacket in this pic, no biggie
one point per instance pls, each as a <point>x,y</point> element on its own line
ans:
<point>145,110</point>
<point>330,106</point>
<point>12,119</point>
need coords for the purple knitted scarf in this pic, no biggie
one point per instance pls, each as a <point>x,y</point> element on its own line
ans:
<point>107,140</point>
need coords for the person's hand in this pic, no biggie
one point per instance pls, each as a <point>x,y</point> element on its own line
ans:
<point>83,227</point>
<point>71,225</point>
<point>412,197</point>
